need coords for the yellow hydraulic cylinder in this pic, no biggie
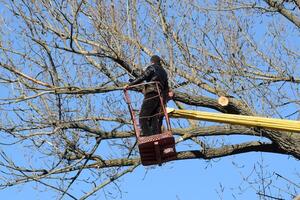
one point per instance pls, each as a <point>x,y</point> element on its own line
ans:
<point>249,121</point>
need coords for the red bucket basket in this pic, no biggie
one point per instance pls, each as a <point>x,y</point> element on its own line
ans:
<point>156,148</point>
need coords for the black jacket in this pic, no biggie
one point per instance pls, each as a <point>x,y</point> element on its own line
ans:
<point>153,72</point>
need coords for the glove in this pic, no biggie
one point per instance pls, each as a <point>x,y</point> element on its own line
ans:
<point>171,94</point>
<point>126,87</point>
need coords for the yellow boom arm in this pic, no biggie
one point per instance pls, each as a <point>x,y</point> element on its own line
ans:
<point>250,121</point>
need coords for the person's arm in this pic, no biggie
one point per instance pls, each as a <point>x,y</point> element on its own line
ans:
<point>145,76</point>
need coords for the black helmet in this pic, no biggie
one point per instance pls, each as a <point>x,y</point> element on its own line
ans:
<point>155,59</point>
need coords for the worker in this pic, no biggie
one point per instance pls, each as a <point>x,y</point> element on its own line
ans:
<point>150,116</point>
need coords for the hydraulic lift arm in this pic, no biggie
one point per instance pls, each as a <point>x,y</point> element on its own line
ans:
<point>249,121</point>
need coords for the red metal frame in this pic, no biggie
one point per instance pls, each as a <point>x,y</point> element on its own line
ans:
<point>158,148</point>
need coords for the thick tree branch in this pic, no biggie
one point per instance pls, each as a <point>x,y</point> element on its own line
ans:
<point>234,106</point>
<point>286,13</point>
<point>204,154</point>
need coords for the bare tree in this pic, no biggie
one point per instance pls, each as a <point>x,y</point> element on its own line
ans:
<point>63,65</point>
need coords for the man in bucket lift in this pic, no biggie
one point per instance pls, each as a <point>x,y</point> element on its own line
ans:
<point>150,117</point>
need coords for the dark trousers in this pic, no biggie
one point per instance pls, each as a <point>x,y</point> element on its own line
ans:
<point>151,115</point>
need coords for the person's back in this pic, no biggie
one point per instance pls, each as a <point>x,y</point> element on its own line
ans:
<point>150,116</point>
<point>158,75</point>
